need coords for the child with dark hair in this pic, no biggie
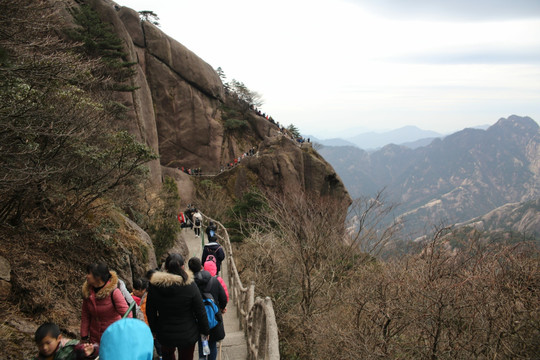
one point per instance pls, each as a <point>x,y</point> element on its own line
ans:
<point>52,346</point>
<point>139,289</point>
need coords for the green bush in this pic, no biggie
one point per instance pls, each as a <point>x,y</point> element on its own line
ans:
<point>235,124</point>
<point>165,226</point>
<point>242,214</point>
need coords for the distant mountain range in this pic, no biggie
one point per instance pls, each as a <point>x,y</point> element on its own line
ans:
<point>408,136</point>
<point>516,217</point>
<point>452,180</point>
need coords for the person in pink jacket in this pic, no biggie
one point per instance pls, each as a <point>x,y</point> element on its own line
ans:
<point>103,302</point>
<point>211,267</point>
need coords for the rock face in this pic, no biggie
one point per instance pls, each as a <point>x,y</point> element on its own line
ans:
<point>282,166</point>
<point>179,108</point>
<point>179,92</point>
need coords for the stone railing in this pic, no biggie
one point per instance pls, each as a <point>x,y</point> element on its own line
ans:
<point>256,315</point>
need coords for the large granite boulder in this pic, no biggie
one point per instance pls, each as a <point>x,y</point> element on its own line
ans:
<point>186,64</point>
<point>189,134</point>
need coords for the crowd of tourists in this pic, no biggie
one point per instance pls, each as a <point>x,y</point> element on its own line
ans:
<point>231,164</point>
<point>190,171</point>
<point>170,309</point>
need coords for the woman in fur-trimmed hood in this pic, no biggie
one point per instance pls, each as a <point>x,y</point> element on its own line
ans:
<point>175,309</point>
<point>103,303</point>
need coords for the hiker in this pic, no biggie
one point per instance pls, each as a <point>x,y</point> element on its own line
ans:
<point>188,214</point>
<point>197,222</point>
<point>215,249</point>
<point>144,296</point>
<point>127,339</point>
<point>211,267</point>
<point>129,299</point>
<point>52,346</point>
<point>211,230</point>
<point>139,289</point>
<point>103,302</point>
<point>210,285</point>
<point>175,309</point>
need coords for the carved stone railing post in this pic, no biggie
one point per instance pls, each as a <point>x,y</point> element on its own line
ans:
<point>257,316</point>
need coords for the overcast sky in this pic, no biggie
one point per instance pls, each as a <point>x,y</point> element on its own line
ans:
<point>329,66</point>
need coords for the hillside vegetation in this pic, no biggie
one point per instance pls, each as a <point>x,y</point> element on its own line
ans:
<point>458,296</point>
<point>97,117</point>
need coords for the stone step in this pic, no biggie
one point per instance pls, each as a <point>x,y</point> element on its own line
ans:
<point>234,347</point>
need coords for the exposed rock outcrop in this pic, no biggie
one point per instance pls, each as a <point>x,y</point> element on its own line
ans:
<point>282,166</point>
<point>177,109</point>
<point>184,93</point>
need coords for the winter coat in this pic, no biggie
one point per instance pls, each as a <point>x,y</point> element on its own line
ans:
<point>196,216</point>
<point>98,309</point>
<point>143,306</point>
<point>127,339</point>
<point>213,248</point>
<point>71,350</point>
<point>175,310</point>
<point>209,228</point>
<point>209,284</point>
<point>211,267</point>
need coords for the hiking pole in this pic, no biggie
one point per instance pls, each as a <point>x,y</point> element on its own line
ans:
<point>202,240</point>
<point>131,306</point>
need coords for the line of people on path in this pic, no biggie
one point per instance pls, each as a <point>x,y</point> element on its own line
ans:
<point>170,310</point>
<point>190,171</point>
<point>231,164</point>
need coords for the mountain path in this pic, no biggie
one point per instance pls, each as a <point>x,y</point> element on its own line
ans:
<point>234,346</point>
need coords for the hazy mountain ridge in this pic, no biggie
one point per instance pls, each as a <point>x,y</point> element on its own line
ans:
<point>409,136</point>
<point>518,217</point>
<point>465,175</point>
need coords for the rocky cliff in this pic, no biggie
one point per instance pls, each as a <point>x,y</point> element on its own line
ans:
<point>177,109</point>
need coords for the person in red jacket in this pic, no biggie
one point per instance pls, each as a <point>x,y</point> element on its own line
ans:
<point>103,302</point>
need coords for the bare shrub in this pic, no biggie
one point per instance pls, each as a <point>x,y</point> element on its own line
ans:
<point>303,262</point>
<point>477,300</point>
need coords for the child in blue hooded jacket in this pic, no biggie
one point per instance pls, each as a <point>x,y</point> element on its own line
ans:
<point>127,339</point>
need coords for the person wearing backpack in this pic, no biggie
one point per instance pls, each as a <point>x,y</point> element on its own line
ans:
<point>210,288</point>
<point>197,222</point>
<point>175,309</point>
<point>211,230</point>
<point>188,216</point>
<point>103,302</point>
<point>211,267</point>
<point>215,249</point>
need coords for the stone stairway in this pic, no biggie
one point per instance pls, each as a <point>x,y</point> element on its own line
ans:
<point>234,346</point>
